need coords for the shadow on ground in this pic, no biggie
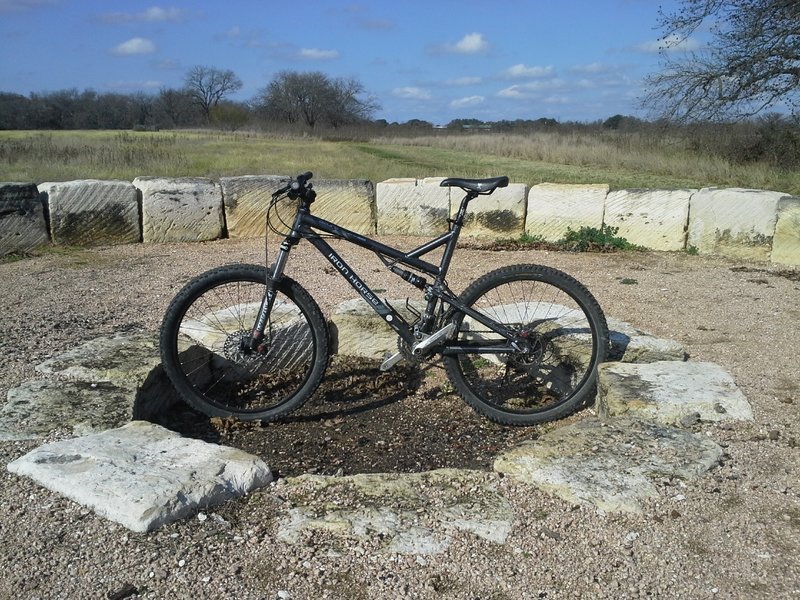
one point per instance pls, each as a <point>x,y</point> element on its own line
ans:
<point>361,420</point>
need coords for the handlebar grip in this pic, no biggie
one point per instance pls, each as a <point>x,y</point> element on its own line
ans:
<point>304,177</point>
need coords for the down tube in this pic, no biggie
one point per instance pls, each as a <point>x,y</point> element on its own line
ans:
<point>387,314</point>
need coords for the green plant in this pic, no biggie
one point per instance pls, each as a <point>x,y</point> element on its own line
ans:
<point>592,239</point>
<point>692,250</point>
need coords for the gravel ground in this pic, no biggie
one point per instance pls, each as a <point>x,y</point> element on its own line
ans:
<point>734,534</point>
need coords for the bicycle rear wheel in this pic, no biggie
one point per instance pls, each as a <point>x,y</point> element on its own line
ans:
<point>204,345</point>
<point>566,335</point>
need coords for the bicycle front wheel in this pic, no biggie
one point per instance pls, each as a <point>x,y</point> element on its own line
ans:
<point>205,345</point>
<point>565,335</point>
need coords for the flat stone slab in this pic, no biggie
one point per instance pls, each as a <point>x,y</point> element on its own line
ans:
<point>36,407</point>
<point>670,392</point>
<point>124,359</point>
<point>142,475</point>
<point>411,513</point>
<point>609,465</point>
<point>100,384</point>
<point>357,330</point>
<point>632,345</point>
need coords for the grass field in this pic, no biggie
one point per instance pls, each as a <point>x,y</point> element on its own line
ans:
<point>537,158</point>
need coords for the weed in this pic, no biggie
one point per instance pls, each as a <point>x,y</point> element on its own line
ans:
<point>692,250</point>
<point>628,281</point>
<point>592,239</point>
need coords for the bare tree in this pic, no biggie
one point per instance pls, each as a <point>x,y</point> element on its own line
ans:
<point>312,98</point>
<point>207,86</point>
<point>751,64</point>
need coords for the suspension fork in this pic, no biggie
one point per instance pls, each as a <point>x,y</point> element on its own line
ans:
<point>257,335</point>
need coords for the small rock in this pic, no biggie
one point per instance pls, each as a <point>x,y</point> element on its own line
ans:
<point>125,591</point>
<point>774,434</point>
<point>690,420</point>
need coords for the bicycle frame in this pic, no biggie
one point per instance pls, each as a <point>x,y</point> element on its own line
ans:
<point>304,227</point>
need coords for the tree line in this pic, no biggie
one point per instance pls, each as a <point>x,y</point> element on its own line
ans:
<point>309,99</point>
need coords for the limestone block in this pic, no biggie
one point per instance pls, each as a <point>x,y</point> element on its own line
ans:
<point>246,201</point>
<point>554,207</point>
<point>357,330</point>
<point>611,465</point>
<point>22,223</point>
<point>412,207</point>
<point>631,345</point>
<point>142,475</point>
<point>499,215</point>
<point>655,219</point>
<point>733,222</point>
<point>92,213</point>
<point>670,391</point>
<point>349,203</point>
<point>180,209</point>
<point>786,243</point>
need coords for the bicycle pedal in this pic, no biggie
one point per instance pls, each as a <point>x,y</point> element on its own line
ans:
<point>433,339</point>
<point>391,361</point>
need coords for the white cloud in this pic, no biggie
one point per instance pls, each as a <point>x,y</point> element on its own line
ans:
<point>472,43</point>
<point>317,54</point>
<point>411,93</point>
<point>463,81</point>
<point>154,14</point>
<point>533,89</point>
<point>467,102</point>
<point>591,69</point>
<point>521,71</point>
<point>671,43</point>
<point>135,46</point>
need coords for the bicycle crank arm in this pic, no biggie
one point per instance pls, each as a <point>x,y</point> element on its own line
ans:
<point>433,339</point>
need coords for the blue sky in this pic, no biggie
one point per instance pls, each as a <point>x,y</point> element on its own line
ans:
<point>435,60</point>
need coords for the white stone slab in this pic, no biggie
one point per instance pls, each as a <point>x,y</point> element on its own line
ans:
<point>554,207</point>
<point>92,213</point>
<point>632,345</point>
<point>733,222</point>
<point>655,219</point>
<point>786,243</point>
<point>612,465</point>
<point>499,215</point>
<point>22,224</point>
<point>412,207</point>
<point>180,209</point>
<point>142,475</point>
<point>670,391</point>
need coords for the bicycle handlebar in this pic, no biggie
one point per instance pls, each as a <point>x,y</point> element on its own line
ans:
<point>298,187</point>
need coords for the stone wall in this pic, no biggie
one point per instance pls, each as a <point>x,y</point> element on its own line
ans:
<point>739,223</point>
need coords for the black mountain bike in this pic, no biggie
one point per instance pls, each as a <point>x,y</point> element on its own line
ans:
<point>520,344</point>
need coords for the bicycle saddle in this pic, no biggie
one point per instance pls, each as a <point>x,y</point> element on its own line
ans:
<point>479,186</point>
